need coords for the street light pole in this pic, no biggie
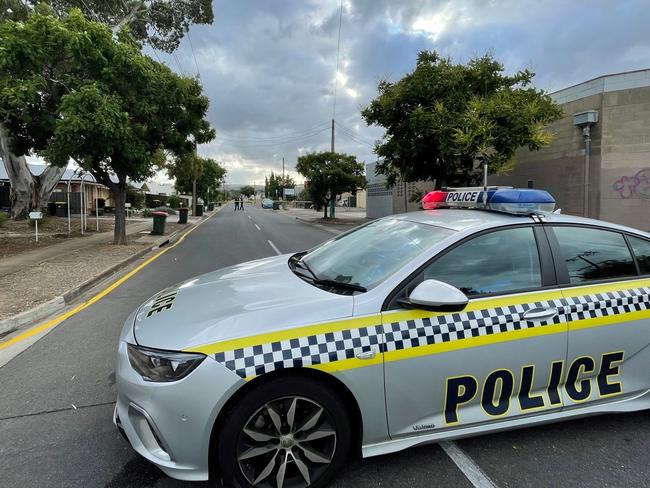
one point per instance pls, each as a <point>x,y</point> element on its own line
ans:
<point>585,120</point>
<point>68,201</point>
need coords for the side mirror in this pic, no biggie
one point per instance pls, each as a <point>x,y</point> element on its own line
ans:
<point>436,296</point>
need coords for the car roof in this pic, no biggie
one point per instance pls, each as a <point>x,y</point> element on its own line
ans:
<point>460,219</point>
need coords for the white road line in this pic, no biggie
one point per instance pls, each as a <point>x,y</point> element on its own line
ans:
<point>275,248</point>
<point>470,469</point>
<point>250,217</point>
<point>257,227</point>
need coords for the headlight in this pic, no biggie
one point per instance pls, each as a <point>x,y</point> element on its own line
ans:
<point>162,366</point>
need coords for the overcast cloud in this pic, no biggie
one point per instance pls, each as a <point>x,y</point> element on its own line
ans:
<point>268,67</point>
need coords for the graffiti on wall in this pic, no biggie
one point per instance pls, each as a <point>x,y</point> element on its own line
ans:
<point>637,186</point>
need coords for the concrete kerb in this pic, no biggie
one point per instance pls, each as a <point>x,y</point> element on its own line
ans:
<point>57,304</point>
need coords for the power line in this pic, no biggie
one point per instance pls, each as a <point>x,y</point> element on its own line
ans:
<point>354,133</point>
<point>193,55</point>
<point>276,143</point>
<point>352,138</point>
<point>287,135</point>
<point>338,52</point>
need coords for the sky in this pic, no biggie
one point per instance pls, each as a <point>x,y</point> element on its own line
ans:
<point>269,66</point>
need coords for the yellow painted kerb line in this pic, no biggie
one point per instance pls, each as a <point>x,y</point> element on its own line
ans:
<point>60,318</point>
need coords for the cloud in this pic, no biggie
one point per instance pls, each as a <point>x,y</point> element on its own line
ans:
<point>269,67</point>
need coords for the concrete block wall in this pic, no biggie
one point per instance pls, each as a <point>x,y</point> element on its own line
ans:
<point>625,173</point>
<point>559,167</point>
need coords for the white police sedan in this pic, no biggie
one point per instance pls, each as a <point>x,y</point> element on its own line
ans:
<point>408,330</point>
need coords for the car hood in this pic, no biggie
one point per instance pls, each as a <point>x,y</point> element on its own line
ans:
<point>239,301</point>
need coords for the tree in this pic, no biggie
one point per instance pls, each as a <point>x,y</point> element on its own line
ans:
<point>247,190</point>
<point>159,23</point>
<point>442,116</point>
<point>330,174</point>
<point>275,184</point>
<point>75,92</point>
<point>208,173</point>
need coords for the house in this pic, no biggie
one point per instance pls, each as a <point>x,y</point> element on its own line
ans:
<point>72,181</point>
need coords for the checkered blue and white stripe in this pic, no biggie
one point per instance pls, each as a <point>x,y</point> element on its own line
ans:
<point>346,344</point>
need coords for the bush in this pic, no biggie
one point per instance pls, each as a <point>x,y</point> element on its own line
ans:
<point>169,210</point>
<point>174,201</point>
<point>147,212</point>
<point>3,218</point>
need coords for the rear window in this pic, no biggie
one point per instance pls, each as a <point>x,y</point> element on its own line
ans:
<point>593,254</point>
<point>641,249</point>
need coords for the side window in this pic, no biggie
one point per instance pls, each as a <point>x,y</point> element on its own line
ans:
<point>592,254</point>
<point>501,261</point>
<point>641,249</point>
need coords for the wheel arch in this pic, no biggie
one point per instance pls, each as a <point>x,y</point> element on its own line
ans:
<point>344,393</point>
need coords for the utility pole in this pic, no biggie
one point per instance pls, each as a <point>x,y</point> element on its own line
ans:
<point>332,149</point>
<point>282,196</point>
<point>194,197</point>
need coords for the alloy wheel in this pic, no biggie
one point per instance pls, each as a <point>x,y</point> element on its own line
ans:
<point>287,443</point>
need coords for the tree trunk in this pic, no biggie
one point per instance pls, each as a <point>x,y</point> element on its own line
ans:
<point>119,195</point>
<point>325,207</point>
<point>28,192</point>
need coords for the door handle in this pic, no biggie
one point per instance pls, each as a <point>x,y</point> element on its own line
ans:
<point>540,313</point>
<point>366,355</point>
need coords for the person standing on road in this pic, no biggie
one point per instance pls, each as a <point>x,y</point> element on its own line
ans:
<point>241,203</point>
<point>236,203</point>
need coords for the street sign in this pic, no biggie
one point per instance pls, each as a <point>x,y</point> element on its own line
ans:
<point>36,216</point>
<point>289,192</point>
<point>127,205</point>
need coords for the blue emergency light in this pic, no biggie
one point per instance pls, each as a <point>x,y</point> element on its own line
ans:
<point>509,200</point>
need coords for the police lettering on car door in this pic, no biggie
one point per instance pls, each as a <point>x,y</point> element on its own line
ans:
<point>497,391</point>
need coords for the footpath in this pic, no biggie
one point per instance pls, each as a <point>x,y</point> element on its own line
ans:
<point>35,284</point>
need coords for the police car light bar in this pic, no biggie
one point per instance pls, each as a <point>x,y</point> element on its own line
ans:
<point>510,200</point>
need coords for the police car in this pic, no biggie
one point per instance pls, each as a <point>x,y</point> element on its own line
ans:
<point>486,312</point>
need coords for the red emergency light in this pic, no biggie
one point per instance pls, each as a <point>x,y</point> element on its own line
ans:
<point>434,199</point>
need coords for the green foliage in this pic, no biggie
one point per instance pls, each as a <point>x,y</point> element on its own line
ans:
<point>274,184</point>
<point>147,212</point>
<point>160,23</point>
<point>247,190</point>
<point>134,197</point>
<point>442,116</point>
<point>3,218</point>
<point>416,196</point>
<point>175,201</point>
<point>208,173</point>
<point>334,172</point>
<point>68,90</point>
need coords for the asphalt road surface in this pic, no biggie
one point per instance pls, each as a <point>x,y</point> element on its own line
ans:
<point>56,398</point>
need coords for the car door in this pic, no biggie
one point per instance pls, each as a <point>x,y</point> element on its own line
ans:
<point>607,296</point>
<point>492,360</point>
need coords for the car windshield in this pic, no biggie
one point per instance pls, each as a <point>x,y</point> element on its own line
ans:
<point>369,254</point>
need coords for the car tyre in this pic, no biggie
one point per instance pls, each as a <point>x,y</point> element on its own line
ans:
<point>290,432</point>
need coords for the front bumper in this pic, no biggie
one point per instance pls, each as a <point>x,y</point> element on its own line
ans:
<point>170,423</point>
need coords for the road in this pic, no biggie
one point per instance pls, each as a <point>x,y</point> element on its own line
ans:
<point>56,397</point>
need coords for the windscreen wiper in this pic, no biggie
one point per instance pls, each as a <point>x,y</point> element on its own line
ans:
<point>297,261</point>
<point>340,284</point>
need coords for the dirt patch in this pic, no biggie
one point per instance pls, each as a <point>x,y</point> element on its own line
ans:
<point>19,236</point>
<point>34,285</point>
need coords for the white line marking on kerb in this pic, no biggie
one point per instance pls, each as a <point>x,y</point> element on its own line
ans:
<point>275,248</point>
<point>470,469</point>
<point>257,227</point>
